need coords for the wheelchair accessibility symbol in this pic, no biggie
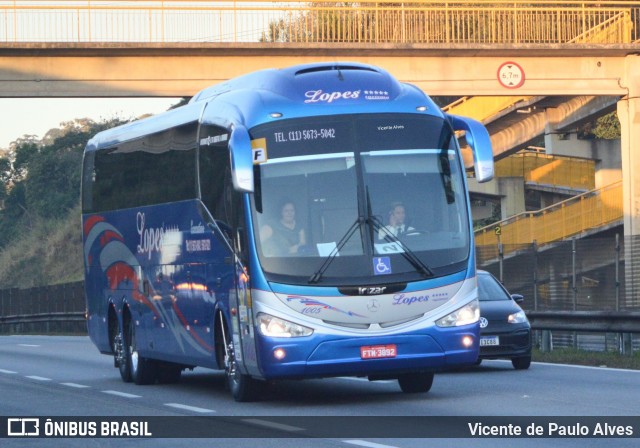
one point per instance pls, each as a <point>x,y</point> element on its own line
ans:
<point>381,265</point>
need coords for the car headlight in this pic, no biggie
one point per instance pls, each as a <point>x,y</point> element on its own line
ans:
<point>279,328</point>
<point>468,314</point>
<point>517,318</point>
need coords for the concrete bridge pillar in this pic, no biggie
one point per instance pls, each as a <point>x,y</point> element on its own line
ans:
<point>629,116</point>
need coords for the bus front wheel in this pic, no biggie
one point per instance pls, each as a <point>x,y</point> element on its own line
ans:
<point>412,383</point>
<point>243,387</point>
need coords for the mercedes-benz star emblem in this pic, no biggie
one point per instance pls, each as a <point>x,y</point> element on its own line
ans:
<point>373,305</point>
<point>483,322</point>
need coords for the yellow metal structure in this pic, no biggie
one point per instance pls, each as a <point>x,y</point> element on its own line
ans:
<point>482,107</point>
<point>560,221</point>
<point>543,169</point>
<point>309,21</point>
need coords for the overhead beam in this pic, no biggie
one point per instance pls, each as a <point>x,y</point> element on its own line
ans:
<point>169,70</point>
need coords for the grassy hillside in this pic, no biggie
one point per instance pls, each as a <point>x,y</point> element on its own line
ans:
<point>48,253</point>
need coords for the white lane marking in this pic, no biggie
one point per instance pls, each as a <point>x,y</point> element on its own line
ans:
<point>273,425</point>
<point>575,366</point>
<point>189,408</point>
<point>7,371</point>
<point>29,345</point>
<point>120,394</point>
<point>587,367</point>
<point>77,386</point>
<point>39,378</point>
<point>368,444</point>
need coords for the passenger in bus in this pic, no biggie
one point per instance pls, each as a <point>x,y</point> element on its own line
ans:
<point>285,235</point>
<point>396,226</point>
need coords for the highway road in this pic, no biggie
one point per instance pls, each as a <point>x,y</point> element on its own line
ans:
<point>66,376</point>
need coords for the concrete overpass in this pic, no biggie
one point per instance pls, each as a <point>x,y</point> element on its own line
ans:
<point>573,82</point>
<point>180,69</point>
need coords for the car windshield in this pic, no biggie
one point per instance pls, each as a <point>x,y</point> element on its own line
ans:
<point>489,289</point>
<point>342,198</point>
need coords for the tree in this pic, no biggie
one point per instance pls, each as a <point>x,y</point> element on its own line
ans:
<point>5,176</point>
<point>323,22</point>
<point>22,154</point>
<point>41,179</point>
<point>606,127</point>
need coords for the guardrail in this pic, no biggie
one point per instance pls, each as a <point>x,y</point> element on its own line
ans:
<point>61,309</point>
<point>586,321</point>
<point>624,324</point>
<point>43,310</point>
<point>317,21</point>
<point>47,323</point>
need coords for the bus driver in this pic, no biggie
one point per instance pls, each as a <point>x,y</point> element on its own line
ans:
<point>396,226</point>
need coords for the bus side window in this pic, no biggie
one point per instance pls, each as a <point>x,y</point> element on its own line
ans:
<point>216,189</point>
<point>213,163</point>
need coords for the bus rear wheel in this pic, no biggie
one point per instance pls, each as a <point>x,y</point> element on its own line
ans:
<point>120,354</point>
<point>413,383</point>
<point>143,370</point>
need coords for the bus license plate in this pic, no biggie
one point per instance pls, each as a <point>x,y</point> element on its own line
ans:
<point>378,351</point>
<point>489,341</point>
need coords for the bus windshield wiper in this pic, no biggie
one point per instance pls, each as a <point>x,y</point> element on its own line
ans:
<point>315,278</point>
<point>407,253</point>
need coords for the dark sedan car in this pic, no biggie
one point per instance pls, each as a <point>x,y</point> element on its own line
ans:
<point>505,331</point>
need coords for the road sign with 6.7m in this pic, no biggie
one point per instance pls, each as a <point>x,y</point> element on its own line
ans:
<point>511,75</point>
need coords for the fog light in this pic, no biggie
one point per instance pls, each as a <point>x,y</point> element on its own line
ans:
<point>467,341</point>
<point>279,353</point>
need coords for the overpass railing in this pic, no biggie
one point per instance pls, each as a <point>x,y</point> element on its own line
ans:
<point>565,219</point>
<point>315,21</point>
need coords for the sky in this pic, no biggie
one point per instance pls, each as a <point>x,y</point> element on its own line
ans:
<point>20,116</point>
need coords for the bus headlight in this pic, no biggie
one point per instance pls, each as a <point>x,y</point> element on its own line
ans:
<point>279,328</point>
<point>468,314</point>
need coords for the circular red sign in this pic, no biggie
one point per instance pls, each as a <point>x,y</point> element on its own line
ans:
<point>510,75</point>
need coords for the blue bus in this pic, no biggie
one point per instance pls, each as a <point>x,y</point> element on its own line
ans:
<point>293,223</point>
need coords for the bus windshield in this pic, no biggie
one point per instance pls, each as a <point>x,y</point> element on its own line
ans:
<point>352,196</point>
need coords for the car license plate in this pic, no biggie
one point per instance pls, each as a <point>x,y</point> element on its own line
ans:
<point>489,340</point>
<point>378,351</point>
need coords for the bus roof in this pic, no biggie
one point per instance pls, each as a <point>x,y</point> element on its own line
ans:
<point>323,88</point>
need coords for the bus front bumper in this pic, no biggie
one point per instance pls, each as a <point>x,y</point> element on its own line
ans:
<point>328,355</point>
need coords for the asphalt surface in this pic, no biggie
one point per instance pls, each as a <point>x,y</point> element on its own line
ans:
<point>64,377</point>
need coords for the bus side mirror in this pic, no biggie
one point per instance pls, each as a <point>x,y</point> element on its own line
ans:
<point>480,142</point>
<point>241,159</point>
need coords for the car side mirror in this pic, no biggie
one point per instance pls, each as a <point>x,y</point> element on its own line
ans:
<point>518,298</point>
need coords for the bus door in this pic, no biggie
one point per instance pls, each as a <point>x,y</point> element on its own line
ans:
<point>242,325</point>
<point>224,204</point>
